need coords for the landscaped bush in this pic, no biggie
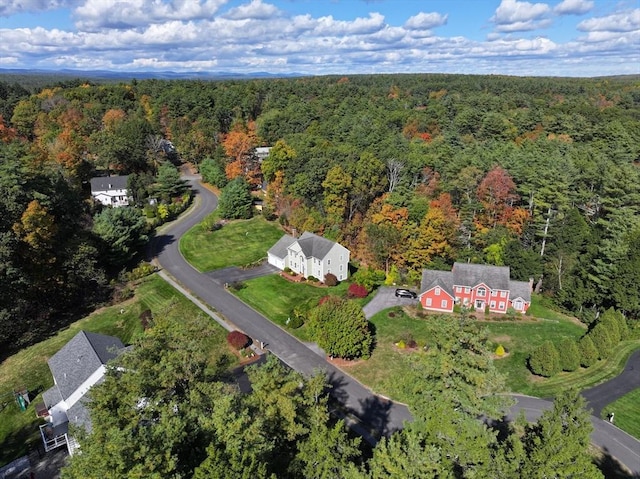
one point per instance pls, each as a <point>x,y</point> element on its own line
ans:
<point>500,351</point>
<point>545,360</point>
<point>369,278</point>
<point>601,340</point>
<point>357,291</point>
<point>569,355</point>
<point>145,269</point>
<point>330,279</point>
<point>238,340</point>
<point>400,344</point>
<point>312,279</point>
<point>295,321</point>
<point>236,286</point>
<point>287,270</point>
<point>588,352</point>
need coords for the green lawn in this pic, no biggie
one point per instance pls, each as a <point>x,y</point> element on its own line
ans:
<point>28,368</point>
<point>627,412</point>
<point>237,243</point>
<point>275,297</point>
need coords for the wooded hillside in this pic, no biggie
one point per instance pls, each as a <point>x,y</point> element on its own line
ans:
<point>408,171</point>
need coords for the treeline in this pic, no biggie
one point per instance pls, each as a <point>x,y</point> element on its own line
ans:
<point>408,171</point>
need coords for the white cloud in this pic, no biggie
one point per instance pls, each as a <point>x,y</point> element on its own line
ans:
<point>616,22</point>
<point>573,7</point>
<point>515,16</point>
<point>94,15</point>
<point>425,21</point>
<point>254,10</point>
<point>10,7</point>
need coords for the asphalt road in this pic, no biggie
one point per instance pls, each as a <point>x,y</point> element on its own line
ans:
<point>376,412</point>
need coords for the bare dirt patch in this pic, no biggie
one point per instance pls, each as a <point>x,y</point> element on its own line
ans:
<point>344,363</point>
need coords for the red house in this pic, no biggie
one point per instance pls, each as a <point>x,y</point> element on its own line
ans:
<point>475,286</point>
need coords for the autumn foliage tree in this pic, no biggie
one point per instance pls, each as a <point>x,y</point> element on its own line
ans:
<point>497,194</point>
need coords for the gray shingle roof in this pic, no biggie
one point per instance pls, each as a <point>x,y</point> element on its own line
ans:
<point>520,289</point>
<point>432,278</point>
<point>314,246</point>
<point>279,250</point>
<point>105,183</point>
<point>79,359</point>
<point>495,277</point>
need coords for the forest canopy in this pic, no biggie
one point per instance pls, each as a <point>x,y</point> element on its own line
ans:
<point>408,171</point>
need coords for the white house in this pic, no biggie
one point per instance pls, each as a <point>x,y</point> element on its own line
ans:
<point>110,190</point>
<point>78,366</point>
<point>310,255</point>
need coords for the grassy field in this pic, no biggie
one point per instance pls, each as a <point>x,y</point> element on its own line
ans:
<point>29,369</point>
<point>275,297</point>
<point>627,412</point>
<point>238,243</point>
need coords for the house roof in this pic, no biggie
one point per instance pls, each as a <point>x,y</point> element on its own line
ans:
<point>520,289</point>
<point>279,250</point>
<point>314,246</point>
<point>432,278</point>
<point>79,359</point>
<point>106,183</point>
<point>467,274</point>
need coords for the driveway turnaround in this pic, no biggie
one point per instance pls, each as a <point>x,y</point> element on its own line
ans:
<point>378,413</point>
<point>233,274</point>
<point>598,397</point>
<point>385,298</point>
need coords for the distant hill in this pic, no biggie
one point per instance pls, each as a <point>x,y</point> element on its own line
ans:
<point>34,79</point>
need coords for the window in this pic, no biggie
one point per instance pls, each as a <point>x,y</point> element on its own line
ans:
<point>501,305</point>
<point>481,291</point>
<point>340,268</point>
<point>493,305</point>
<point>340,257</point>
<point>443,303</point>
<point>503,294</point>
<point>328,261</point>
<point>494,292</point>
<point>428,302</point>
<point>467,290</point>
<point>458,289</point>
<point>517,304</point>
<point>457,300</point>
<point>437,291</point>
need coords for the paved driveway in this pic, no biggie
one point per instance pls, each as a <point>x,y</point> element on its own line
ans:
<point>233,274</point>
<point>385,298</point>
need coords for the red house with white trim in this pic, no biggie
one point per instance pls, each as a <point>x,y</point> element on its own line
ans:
<point>474,286</point>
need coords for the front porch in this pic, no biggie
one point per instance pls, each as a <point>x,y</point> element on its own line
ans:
<point>54,437</point>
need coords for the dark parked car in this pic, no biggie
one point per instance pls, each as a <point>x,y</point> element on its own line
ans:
<point>405,293</point>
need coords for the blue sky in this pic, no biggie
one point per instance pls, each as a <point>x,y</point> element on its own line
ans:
<point>511,37</point>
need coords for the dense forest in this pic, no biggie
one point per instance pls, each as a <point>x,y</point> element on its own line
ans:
<point>408,171</point>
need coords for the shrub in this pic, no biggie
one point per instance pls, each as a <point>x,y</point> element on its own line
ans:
<point>330,279</point>
<point>287,270</point>
<point>487,311</point>
<point>569,355</point>
<point>393,277</point>
<point>237,340</point>
<point>588,352</point>
<point>294,322</point>
<point>369,278</point>
<point>145,269</point>
<point>500,351</point>
<point>400,344</point>
<point>544,360</point>
<point>357,291</point>
<point>312,279</point>
<point>601,340</point>
<point>323,300</point>
<point>235,286</point>
<point>610,320</point>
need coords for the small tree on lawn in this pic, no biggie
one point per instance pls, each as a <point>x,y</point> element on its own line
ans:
<point>544,360</point>
<point>601,340</point>
<point>610,320</point>
<point>237,340</point>
<point>588,352</point>
<point>235,200</point>
<point>569,355</point>
<point>340,328</point>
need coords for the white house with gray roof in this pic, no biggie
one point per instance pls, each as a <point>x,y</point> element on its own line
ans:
<point>310,255</point>
<point>475,286</point>
<point>78,366</point>
<point>110,190</point>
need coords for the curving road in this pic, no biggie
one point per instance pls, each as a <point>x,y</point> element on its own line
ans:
<point>375,413</point>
